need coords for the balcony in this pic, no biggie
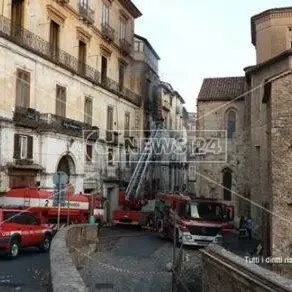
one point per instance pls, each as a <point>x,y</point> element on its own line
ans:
<point>50,122</point>
<point>112,137</point>
<point>27,117</point>
<point>125,47</point>
<point>42,48</point>
<point>108,32</point>
<point>86,13</point>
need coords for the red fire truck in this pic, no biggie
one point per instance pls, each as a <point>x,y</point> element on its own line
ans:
<point>133,212</point>
<point>40,202</point>
<point>194,222</point>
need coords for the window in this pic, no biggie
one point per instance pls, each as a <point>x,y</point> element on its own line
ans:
<point>103,69</point>
<point>127,125</point>
<point>127,159</point>
<point>60,101</point>
<point>88,154</point>
<point>88,111</point>
<point>26,219</point>
<point>22,88</point>
<point>81,57</point>
<point>17,12</point>
<point>23,147</point>
<point>138,46</point>
<point>110,157</point>
<point>123,25</point>
<point>84,3</point>
<point>231,124</point>
<point>54,38</point>
<point>110,118</point>
<point>227,184</point>
<point>105,14</point>
<point>121,76</point>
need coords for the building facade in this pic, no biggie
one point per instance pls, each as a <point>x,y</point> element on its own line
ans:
<point>190,124</point>
<point>220,127</point>
<point>261,122</point>
<point>67,93</point>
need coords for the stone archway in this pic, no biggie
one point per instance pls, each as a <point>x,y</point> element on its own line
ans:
<point>67,165</point>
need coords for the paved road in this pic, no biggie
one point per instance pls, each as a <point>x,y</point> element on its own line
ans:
<point>28,273</point>
<point>130,261</point>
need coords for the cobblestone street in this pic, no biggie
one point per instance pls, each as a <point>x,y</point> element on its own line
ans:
<point>136,261</point>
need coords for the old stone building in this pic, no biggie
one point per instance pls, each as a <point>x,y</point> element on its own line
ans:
<point>261,151</point>
<point>220,125</point>
<point>190,124</point>
<point>67,92</point>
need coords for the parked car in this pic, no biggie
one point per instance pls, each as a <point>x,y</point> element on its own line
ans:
<point>19,229</point>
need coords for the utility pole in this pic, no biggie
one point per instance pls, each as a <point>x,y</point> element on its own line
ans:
<point>174,255</point>
<point>59,179</point>
<point>59,199</point>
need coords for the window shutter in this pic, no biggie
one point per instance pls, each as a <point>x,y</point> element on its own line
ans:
<point>30,147</point>
<point>16,154</point>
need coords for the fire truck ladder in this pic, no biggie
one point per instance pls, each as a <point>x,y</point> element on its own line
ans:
<point>139,173</point>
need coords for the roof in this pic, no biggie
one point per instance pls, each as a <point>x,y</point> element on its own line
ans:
<point>148,45</point>
<point>221,89</point>
<point>263,14</point>
<point>131,7</point>
<point>167,86</point>
<point>179,97</point>
<point>252,69</point>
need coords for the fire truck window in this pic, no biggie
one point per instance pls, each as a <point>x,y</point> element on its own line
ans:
<point>10,217</point>
<point>182,210</point>
<point>27,219</point>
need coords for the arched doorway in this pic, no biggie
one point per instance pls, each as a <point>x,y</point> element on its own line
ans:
<point>227,184</point>
<point>67,165</point>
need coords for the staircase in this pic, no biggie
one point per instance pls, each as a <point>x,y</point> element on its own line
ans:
<point>140,171</point>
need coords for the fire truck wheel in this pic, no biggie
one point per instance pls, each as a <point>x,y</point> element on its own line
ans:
<point>14,249</point>
<point>45,246</point>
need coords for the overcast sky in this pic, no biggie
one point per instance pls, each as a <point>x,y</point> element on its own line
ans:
<point>200,38</point>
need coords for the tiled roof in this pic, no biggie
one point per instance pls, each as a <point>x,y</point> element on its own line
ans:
<point>221,89</point>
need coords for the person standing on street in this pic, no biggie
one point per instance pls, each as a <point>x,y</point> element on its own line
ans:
<point>248,227</point>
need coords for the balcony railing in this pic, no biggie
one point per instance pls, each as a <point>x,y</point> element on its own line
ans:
<point>107,32</point>
<point>86,13</point>
<point>125,47</point>
<point>44,49</point>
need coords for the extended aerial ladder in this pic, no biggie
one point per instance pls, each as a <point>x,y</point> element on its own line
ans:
<point>140,171</point>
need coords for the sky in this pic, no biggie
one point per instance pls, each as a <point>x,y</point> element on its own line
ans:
<point>199,39</point>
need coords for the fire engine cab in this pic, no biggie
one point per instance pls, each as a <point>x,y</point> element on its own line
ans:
<point>193,222</point>
<point>20,228</point>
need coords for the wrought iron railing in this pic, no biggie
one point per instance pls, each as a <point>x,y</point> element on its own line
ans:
<point>39,46</point>
<point>86,13</point>
<point>125,46</point>
<point>107,31</point>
